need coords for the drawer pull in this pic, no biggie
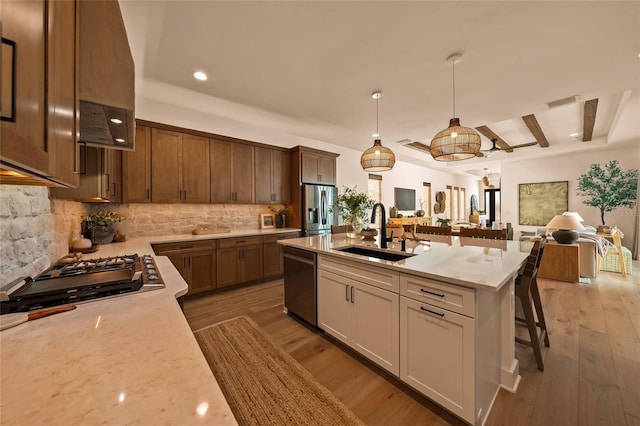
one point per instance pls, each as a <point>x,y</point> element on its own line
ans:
<point>432,293</point>
<point>431,312</point>
<point>186,247</point>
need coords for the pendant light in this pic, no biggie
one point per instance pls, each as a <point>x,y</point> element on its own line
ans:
<point>378,158</point>
<point>455,142</point>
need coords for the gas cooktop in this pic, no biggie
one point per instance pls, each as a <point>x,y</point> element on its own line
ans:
<point>81,280</point>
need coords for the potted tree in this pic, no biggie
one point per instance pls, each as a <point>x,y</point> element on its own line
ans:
<point>608,188</point>
<point>353,207</point>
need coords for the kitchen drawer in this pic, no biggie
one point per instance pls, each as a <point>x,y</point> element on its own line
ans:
<point>239,242</point>
<point>448,296</point>
<point>275,237</point>
<point>373,275</point>
<point>184,247</point>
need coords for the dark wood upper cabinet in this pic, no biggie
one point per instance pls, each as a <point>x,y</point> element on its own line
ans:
<point>166,157</point>
<point>272,176</point>
<point>136,173</point>
<point>314,166</point>
<point>39,133</point>
<point>232,173</point>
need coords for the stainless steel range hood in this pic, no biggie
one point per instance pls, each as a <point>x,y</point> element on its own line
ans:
<point>105,126</point>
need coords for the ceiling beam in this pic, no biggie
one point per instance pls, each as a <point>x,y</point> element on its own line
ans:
<point>489,134</point>
<point>590,108</point>
<point>535,129</point>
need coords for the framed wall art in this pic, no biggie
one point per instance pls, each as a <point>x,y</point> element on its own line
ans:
<point>538,203</point>
<point>267,220</point>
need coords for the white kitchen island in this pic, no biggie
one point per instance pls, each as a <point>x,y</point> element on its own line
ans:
<point>441,320</point>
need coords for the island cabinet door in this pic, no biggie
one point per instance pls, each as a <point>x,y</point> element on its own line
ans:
<point>362,316</point>
<point>437,355</point>
<point>376,325</point>
<point>334,305</point>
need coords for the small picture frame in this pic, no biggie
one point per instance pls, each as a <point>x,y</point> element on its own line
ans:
<point>267,220</point>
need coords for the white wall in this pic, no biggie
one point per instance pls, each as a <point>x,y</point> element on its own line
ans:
<point>569,168</point>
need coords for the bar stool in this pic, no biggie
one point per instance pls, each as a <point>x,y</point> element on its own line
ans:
<point>529,295</point>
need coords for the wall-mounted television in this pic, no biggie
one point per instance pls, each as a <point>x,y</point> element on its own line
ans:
<point>405,199</point>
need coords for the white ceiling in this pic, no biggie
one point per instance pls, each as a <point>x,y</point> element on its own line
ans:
<point>317,63</point>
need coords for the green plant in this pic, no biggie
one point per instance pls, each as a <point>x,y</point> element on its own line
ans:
<point>352,203</point>
<point>443,221</point>
<point>609,187</point>
<point>105,218</point>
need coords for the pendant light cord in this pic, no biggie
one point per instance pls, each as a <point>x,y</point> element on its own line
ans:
<point>377,117</point>
<point>454,88</point>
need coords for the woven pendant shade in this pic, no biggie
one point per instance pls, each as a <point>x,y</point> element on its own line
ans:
<point>378,158</point>
<point>455,143</point>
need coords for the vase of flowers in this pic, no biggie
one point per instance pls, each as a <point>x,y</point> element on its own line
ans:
<point>353,207</point>
<point>103,226</point>
<point>281,215</point>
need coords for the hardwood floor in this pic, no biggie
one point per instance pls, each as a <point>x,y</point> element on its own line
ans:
<point>591,376</point>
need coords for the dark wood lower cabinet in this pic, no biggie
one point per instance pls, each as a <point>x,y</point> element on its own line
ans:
<point>218,263</point>
<point>239,264</point>
<point>197,269</point>
<point>272,253</point>
<point>195,261</point>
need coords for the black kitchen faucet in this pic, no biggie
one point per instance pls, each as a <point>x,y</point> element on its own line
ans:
<point>383,228</point>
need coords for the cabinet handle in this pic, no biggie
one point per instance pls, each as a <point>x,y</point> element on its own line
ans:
<point>108,186</point>
<point>432,293</point>
<point>346,292</point>
<point>148,194</point>
<point>432,312</point>
<point>185,195</point>
<point>114,188</point>
<point>351,294</point>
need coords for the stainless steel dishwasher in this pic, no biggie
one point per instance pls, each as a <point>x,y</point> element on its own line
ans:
<point>300,283</point>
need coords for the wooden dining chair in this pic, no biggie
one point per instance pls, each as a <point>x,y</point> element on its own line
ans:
<point>437,230</point>
<point>528,293</point>
<point>494,234</point>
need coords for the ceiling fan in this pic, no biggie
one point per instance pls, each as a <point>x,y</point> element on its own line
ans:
<point>487,153</point>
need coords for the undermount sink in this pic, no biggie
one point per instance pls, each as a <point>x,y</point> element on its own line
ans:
<point>378,254</point>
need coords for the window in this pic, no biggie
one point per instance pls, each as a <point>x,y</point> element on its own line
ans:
<point>426,198</point>
<point>462,204</point>
<point>455,201</point>
<point>374,191</point>
<point>447,204</point>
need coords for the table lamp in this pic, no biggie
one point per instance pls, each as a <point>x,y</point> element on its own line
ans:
<point>577,216</point>
<point>566,226</point>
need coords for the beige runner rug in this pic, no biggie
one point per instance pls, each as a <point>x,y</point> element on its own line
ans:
<point>263,384</point>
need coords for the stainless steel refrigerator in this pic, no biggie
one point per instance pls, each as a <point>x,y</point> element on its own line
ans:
<point>317,201</point>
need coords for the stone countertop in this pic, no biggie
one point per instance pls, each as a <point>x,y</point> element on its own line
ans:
<point>130,359</point>
<point>470,262</point>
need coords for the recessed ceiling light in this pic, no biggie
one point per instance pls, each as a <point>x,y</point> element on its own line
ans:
<point>116,121</point>
<point>120,140</point>
<point>574,135</point>
<point>375,135</point>
<point>200,75</point>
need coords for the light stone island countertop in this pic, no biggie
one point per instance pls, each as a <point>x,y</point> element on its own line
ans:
<point>470,262</point>
<point>130,359</point>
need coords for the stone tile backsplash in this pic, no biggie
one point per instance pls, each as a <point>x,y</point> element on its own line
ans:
<point>170,219</point>
<point>34,231</point>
